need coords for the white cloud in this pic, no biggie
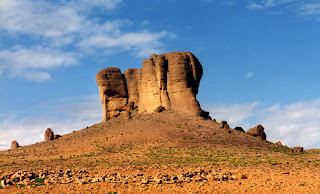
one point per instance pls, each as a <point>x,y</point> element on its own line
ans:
<point>250,74</point>
<point>29,130</point>
<point>47,18</point>
<point>108,4</point>
<point>269,4</point>
<point>39,18</point>
<point>254,6</point>
<point>235,114</point>
<point>296,124</point>
<point>310,9</point>
<point>26,62</point>
<point>144,43</point>
<point>55,25</point>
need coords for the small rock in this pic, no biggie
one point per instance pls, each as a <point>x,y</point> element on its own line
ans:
<point>3,183</point>
<point>144,181</point>
<point>243,176</point>
<point>156,180</point>
<point>159,109</point>
<point>94,180</point>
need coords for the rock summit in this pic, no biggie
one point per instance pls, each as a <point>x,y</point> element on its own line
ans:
<point>169,80</point>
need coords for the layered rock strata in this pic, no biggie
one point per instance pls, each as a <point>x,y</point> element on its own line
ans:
<point>169,80</point>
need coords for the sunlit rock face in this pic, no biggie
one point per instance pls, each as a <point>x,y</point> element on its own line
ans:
<point>113,92</point>
<point>169,80</point>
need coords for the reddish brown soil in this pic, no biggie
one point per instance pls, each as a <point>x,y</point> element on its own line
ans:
<point>174,144</point>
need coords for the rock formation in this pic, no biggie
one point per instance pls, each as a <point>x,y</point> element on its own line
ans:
<point>297,149</point>
<point>14,145</point>
<point>48,135</point>
<point>224,125</point>
<point>169,80</point>
<point>278,143</point>
<point>239,129</point>
<point>257,131</point>
<point>113,92</point>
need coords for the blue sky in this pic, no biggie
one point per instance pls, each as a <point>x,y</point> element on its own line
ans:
<point>260,60</point>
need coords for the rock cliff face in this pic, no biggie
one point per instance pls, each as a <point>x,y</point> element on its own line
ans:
<point>169,80</point>
<point>113,92</point>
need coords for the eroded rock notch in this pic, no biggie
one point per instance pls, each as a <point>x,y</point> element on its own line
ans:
<point>169,80</point>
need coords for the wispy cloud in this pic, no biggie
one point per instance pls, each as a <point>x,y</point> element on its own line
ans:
<point>310,9</point>
<point>39,18</point>
<point>250,74</point>
<point>268,4</point>
<point>296,124</point>
<point>144,43</point>
<point>235,114</point>
<point>54,26</point>
<point>33,63</point>
<point>302,8</point>
<point>28,130</point>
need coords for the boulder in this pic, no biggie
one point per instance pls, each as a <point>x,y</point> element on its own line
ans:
<point>159,109</point>
<point>48,135</point>
<point>169,80</point>
<point>56,136</point>
<point>224,125</point>
<point>257,131</point>
<point>14,145</point>
<point>239,129</point>
<point>297,149</point>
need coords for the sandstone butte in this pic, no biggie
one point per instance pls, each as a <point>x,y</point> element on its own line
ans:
<point>165,81</point>
<point>159,153</point>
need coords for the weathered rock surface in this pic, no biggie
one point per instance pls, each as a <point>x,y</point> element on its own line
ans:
<point>48,135</point>
<point>14,145</point>
<point>169,80</point>
<point>257,131</point>
<point>113,92</point>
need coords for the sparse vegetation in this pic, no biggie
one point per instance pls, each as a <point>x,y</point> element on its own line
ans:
<point>160,144</point>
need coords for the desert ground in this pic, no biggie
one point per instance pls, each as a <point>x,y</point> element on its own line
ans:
<point>158,153</point>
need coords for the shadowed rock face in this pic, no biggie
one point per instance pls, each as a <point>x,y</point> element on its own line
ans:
<point>169,80</point>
